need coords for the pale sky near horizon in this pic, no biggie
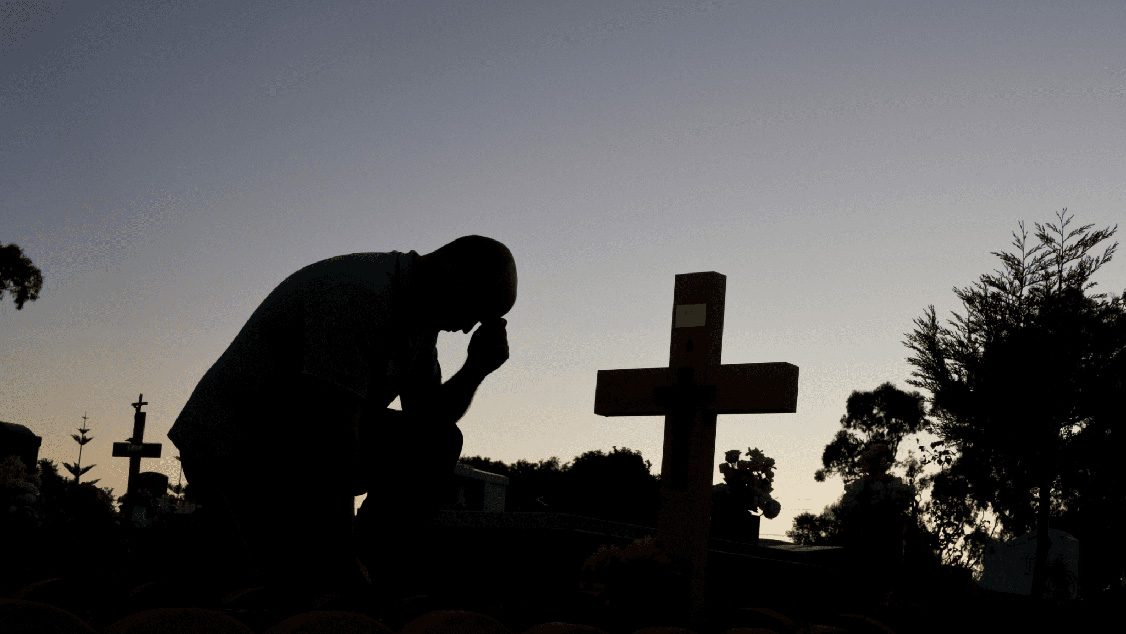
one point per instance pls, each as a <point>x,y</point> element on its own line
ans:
<point>843,164</point>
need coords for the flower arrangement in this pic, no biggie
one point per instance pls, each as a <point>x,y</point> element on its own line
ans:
<point>750,482</point>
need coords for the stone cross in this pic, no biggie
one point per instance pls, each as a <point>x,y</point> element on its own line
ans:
<point>136,448</point>
<point>689,394</point>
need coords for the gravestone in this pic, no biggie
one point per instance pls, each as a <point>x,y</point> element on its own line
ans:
<point>19,442</point>
<point>135,448</point>
<point>690,393</point>
<point>150,498</point>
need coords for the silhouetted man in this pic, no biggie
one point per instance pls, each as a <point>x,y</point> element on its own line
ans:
<point>292,421</point>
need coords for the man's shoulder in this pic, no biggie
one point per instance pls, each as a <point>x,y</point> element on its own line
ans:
<point>371,269</point>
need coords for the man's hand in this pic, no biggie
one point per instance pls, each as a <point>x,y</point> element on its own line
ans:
<point>488,349</point>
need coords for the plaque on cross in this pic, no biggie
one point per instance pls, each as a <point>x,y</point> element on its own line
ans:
<point>689,393</point>
<point>136,448</point>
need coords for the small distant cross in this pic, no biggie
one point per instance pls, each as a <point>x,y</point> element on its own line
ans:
<point>136,448</point>
<point>690,393</point>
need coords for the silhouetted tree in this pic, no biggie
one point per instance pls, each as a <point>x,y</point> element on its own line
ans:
<point>615,485</point>
<point>873,426</point>
<point>816,530</point>
<point>877,515</point>
<point>18,276</point>
<point>532,486</point>
<point>488,464</point>
<point>70,507</point>
<point>1091,495</point>
<point>535,486</point>
<point>52,525</point>
<point>19,492</point>
<point>1010,378</point>
<point>75,468</point>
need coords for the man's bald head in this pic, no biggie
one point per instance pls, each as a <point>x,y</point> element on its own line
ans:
<point>472,278</point>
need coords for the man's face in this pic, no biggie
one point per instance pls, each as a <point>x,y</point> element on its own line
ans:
<point>465,303</point>
<point>457,311</point>
<point>464,317</point>
<point>465,324</point>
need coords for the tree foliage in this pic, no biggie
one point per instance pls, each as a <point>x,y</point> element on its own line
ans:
<point>876,515</point>
<point>616,485</point>
<point>18,276</point>
<point>816,529</point>
<point>873,426</point>
<point>1014,379</point>
<point>75,468</point>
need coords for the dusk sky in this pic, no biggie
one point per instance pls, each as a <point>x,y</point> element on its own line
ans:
<point>844,164</point>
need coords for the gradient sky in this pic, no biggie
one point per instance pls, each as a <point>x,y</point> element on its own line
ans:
<point>843,163</point>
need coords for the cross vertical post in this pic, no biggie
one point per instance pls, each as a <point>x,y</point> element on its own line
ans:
<point>695,346</point>
<point>137,438</point>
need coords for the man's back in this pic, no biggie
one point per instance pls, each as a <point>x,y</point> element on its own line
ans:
<point>333,321</point>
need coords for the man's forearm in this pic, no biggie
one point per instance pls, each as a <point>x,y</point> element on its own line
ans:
<point>488,350</point>
<point>454,396</point>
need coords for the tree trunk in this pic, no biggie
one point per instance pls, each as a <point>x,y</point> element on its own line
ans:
<point>1043,543</point>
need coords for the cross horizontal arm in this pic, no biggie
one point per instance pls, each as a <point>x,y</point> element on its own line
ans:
<point>755,388</point>
<point>630,392</point>
<point>745,388</point>
<point>142,450</point>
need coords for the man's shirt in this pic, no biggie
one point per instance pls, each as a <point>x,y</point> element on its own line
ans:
<point>348,322</point>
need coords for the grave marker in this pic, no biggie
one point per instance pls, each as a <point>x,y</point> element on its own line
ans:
<point>690,393</point>
<point>136,448</point>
